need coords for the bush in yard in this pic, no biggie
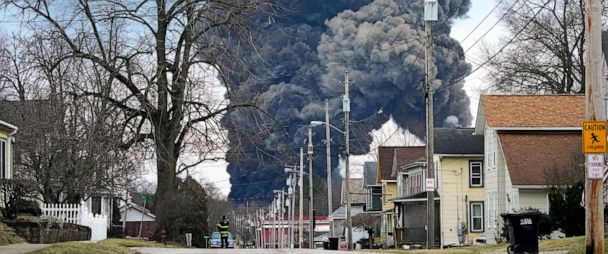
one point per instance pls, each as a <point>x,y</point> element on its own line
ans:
<point>186,212</point>
<point>565,209</point>
<point>17,198</point>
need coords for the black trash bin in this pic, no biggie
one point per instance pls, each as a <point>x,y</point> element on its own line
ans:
<point>325,245</point>
<point>333,243</point>
<point>523,231</point>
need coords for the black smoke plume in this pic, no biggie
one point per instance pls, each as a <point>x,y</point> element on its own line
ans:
<point>301,61</point>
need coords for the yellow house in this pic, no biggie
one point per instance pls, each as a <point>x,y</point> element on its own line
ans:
<point>390,159</point>
<point>459,162</point>
<point>7,132</point>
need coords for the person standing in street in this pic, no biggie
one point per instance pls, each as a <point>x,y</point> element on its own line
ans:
<point>222,227</point>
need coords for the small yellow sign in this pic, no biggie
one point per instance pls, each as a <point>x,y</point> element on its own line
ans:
<point>594,137</point>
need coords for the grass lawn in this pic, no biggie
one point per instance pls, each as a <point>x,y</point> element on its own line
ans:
<point>116,246</point>
<point>8,236</point>
<point>572,244</point>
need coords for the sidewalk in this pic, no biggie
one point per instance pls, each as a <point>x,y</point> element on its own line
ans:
<point>21,248</point>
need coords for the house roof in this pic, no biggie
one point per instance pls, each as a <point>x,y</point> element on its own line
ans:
<point>7,126</point>
<point>340,213</point>
<point>415,197</point>
<point>138,208</point>
<point>402,155</point>
<point>458,141</point>
<point>552,111</point>
<point>530,155</point>
<point>369,173</point>
<point>357,191</point>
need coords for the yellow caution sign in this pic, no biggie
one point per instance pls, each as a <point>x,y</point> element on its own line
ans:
<point>594,137</point>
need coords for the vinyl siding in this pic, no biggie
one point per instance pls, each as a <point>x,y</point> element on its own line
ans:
<point>389,191</point>
<point>455,196</point>
<point>535,199</point>
<point>491,184</point>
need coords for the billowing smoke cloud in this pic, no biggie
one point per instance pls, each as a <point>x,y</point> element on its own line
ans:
<point>305,55</point>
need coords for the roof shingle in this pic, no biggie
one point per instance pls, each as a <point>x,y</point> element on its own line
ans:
<point>533,110</point>
<point>530,155</point>
<point>458,141</point>
<point>403,154</point>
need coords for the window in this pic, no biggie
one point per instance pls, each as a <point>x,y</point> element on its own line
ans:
<point>475,174</point>
<point>3,162</point>
<point>476,220</point>
<point>96,205</point>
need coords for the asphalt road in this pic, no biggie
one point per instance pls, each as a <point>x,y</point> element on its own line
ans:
<point>234,251</point>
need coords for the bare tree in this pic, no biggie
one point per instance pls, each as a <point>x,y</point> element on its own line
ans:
<point>369,222</point>
<point>66,145</point>
<point>546,54</point>
<point>159,59</point>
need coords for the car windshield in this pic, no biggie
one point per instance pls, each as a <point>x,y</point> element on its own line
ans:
<point>215,235</point>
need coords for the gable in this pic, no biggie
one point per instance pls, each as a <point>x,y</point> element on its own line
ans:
<point>391,158</point>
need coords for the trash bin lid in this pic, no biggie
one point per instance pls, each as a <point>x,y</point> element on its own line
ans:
<point>521,214</point>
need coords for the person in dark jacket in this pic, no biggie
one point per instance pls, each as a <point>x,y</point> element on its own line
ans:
<point>222,227</point>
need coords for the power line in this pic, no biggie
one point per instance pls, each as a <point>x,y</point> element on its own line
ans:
<point>483,20</point>
<point>499,51</point>
<point>492,27</point>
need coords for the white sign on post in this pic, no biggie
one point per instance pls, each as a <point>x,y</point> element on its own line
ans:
<point>596,166</point>
<point>430,184</point>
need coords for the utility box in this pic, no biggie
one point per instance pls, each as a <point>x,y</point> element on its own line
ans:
<point>431,10</point>
<point>523,231</point>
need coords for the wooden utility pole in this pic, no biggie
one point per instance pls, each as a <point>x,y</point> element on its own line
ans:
<point>328,161</point>
<point>311,235</point>
<point>301,207</point>
<point>346,109</point>
<point>430,15</point>
<point>594,111</point>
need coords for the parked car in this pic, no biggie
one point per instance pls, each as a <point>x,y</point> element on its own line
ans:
<point>216,240</point>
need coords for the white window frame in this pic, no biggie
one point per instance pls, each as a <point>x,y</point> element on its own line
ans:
<point>471,216</point>
<point>3,160</point>
<point>480,175</point>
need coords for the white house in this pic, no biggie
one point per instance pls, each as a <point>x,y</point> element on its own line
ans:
<point>7,139</point>
<point>526,138</point>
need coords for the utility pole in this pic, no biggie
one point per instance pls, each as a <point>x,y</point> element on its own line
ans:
<point>311,235</point>
<point>346,109</point>
<point>594,111</point>
<point>289,211</point>
<point>282,218</point>
<point>328,152</point>
<point>301,218</point>
<point>292,190</point>
<point>430,15</point>
<point>272,232</point>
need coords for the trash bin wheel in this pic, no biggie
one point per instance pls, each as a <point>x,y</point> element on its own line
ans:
<point>510,249</point>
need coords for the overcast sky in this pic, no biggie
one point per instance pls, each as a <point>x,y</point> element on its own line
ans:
<point>215,171</point>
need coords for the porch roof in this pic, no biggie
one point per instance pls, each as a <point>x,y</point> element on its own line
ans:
<point>420,196</point>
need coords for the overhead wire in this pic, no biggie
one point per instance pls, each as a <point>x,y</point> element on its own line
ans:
<point>498,52</point>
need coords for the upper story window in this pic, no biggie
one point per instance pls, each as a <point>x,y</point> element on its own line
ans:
<point>3,162</point>
<point>475,174</point>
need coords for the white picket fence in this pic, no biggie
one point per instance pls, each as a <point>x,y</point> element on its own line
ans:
<point>69,213</point>
<point>78,214</point>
